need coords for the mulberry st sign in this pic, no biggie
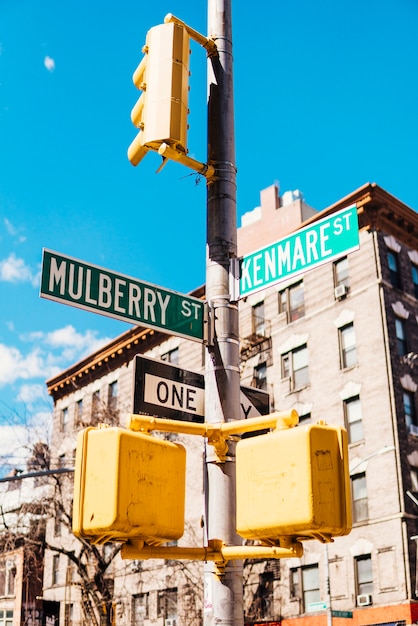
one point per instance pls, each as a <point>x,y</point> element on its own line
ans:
<point>99,290</point>
<point>325,240</point>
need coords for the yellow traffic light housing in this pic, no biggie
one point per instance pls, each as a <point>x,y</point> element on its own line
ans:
<point>294,483</point>
<point>163,76</point>
<point>128,485</point>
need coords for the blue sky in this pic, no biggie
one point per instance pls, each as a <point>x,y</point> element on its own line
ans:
<point>326,99</point>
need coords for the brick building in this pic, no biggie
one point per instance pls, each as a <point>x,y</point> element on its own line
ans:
<point>338,343</point>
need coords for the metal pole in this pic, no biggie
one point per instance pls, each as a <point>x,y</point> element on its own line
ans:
<point>328,585</point>
<point>223,604</point>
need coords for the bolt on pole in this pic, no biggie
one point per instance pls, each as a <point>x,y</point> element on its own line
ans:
<point>223,603</point>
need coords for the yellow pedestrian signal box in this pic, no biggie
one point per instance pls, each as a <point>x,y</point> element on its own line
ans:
<point>128,485</point>
<point>163,76</point>
<point>294,482</point>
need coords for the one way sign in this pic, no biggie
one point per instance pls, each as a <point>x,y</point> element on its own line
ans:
<point>165,390</point>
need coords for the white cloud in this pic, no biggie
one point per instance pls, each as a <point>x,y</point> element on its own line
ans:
<point>14,365</point>
<point>14,270</point>
<point>75,344</point>
<point>31,393</point>
<point>49,63</point>
<point>51,352</point>
<point>13,231</point>
<point>13,444</point>
<point>9,227</point>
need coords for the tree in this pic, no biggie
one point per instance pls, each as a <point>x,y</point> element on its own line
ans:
<point>42,496</point>
<point>37,512</point>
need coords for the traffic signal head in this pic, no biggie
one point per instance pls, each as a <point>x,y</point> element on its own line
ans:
<point>294,482</point>
<point>128,485</point>
<point>163,76</point>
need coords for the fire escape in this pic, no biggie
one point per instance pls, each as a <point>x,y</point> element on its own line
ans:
<point>255,337</point>
<point>260,606</point>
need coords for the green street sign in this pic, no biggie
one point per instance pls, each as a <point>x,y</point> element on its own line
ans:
<point>325,240</point>
<point>99,290</point>
<point>346,614</point>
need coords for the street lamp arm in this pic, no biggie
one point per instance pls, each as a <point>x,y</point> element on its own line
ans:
<point>371,456</point>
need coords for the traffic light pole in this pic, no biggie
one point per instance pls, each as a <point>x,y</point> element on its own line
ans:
<point>223,602</point>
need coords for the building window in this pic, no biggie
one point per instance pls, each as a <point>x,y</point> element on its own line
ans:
<point>341,275</point>
<point>261,607</point>
<point>394,272</point>
<point>359,495</point>
<point>55,568</point>
<point>172,356</point>
<point>348,352</point>
<point>414,479</point>
<point>79,412</point>
<point>259,322</point>
<point>95,404</point>
<point>10,578</point>
<point>7,578</point>
<point>295,367</point>
<point>409,409</point>
<point>68,614</point>
<point>260,376</point>
<point>364,575</point>
<point>112,396</point>
<point>304,585</point>
<point>414,270</point>
<point>2,578</point>
<point>71,572</point>
<point>6,618</point>
<point>353,421</point>
<point>167,603</point>
<point>292,302</point>
<point>64,419</point>
<point>140,610</point>
<point>400,328</point>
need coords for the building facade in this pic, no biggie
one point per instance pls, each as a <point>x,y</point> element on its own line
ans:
<point>22,535</point>
<point>338,343</point>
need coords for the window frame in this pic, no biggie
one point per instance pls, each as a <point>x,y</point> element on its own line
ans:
<point>287,299</point>
<point>95,404</point>
<point>346,352</point>
<point>289,371</point>
<point>112,396</point>
<point>55,569</point>
<point>78,411</point>
<point>359,484</point>
<point>172,356</point>
<point>363,587</point>
<point>258,319</point>
<point>64,419</point>
<point>394,269</point>
<point>260,381</point>
<point>401,336</point>
<point>351,422</point>
<point>6,617</point>
<point>167,599</point>
<point>414,275</point>
<point>411,415</point>
<point>136,618</point>
<point>298,588</point>
<point>341,271</point>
